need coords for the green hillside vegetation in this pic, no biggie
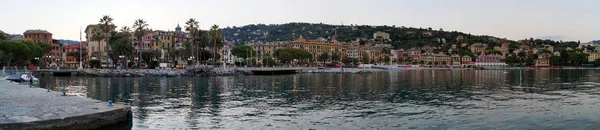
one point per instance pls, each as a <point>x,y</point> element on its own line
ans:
<point>400,37</point>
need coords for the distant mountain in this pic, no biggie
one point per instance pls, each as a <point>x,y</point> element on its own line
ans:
<point>69,42</point>
<point>596,41</point>
<point>1,31</point>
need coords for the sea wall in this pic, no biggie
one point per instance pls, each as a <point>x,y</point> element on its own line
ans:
<point>161,72</point>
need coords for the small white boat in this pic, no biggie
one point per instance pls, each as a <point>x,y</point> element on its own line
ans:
<point>27,77</point>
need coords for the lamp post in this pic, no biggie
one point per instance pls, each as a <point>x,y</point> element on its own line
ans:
<point>137,62</point>
<point>121,59</point>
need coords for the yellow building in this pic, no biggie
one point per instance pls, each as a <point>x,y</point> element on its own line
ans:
<point>316,48</point>
<point>163,40</point>
<point>266,49</point>
<point>593,56</point>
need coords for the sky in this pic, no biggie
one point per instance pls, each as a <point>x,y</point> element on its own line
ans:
<point>512,19</point>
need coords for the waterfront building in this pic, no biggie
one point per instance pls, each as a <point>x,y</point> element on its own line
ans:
<point>542,60</point>
<point>353,49</point>
<point>492,60</point>
<point>72,61</point>
<point>178,38</point>
<point>227,57</point>
<point>593,56</point>
<point>466,61</point>
<point>316,48</point>
<point>163,40</point>
<point>36,36</point>
<point>455,60</point>
<point>43,36</point>
<point>394,56</point>
<point>55,57</point>
<point>96,49</point>
<point>267,48</point>
<point>146,43</point>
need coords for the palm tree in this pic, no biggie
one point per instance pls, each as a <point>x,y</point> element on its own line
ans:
<point>97,35</point>
<point>191,27</point>
<point>126,31</point>
<point>202,41</point>
<point>140,30</point>
<point>106,26</point>
<point>121,46</point>
<point>215,35</point>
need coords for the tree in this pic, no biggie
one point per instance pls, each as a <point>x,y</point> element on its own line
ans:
<point>335,57</point>
<point>493,52</point>
<point>555,60</point>
<point>106,27</point>
<point>366,58</point>
<point>2,36</point>
<point>125,31</point>
<point>243,51</point>
<point>288,54</point>
<point>386,59</point>
<point>268,61</point>
<point>140,30</point>
<point>21,52</point>
<point>192,28</point>
<point>216,37</point>
<point>121,46</point>
<point>590,48</point>
<point>522,54</point>
<point>94,63</point>
<point>324,57</point>
<point>76,55</point>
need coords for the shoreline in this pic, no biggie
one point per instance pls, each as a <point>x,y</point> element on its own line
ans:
<point>246,71</point>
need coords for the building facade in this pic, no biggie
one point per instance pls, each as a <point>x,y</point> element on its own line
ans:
<point>316,48</point>
<point>72,61</point>
<point>36,36</point>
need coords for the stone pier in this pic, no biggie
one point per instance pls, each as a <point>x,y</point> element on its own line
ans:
<point>22,107</point>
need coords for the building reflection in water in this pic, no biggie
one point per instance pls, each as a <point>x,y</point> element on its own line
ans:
<point>161,102</point>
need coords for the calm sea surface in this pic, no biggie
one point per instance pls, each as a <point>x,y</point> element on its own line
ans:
<point>412,99</point>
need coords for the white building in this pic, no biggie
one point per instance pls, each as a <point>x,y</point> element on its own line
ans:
<point>227,57</point>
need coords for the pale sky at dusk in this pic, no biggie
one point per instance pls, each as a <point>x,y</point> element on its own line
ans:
<point>512,19</point>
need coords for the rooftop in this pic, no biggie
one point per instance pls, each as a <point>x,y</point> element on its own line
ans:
<point>37,31</point>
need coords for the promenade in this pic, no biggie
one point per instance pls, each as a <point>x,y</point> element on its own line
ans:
<point>22,107</point>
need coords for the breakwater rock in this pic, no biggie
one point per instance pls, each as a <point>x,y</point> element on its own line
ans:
<point>133,72</point>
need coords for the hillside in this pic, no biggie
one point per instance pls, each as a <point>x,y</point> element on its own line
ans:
<point>400,37</point>
<point>70,42</point>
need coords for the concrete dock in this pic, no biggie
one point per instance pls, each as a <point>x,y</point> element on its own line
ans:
<point>22,107</point>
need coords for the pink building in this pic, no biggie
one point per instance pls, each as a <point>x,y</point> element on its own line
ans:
<point>146,42</point>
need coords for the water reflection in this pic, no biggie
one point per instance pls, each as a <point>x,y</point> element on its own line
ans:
<point>422,99</point>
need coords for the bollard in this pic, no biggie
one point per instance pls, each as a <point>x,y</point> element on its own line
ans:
<point>110,103</point>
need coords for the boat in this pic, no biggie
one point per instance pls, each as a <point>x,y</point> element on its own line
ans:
<point>21,78</point>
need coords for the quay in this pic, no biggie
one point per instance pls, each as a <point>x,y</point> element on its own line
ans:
<point>60,72</point>
<point>22,107</point>
<point>277,70</point>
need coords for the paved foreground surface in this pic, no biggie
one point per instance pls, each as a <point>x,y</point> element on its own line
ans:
<point>22,107</point>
